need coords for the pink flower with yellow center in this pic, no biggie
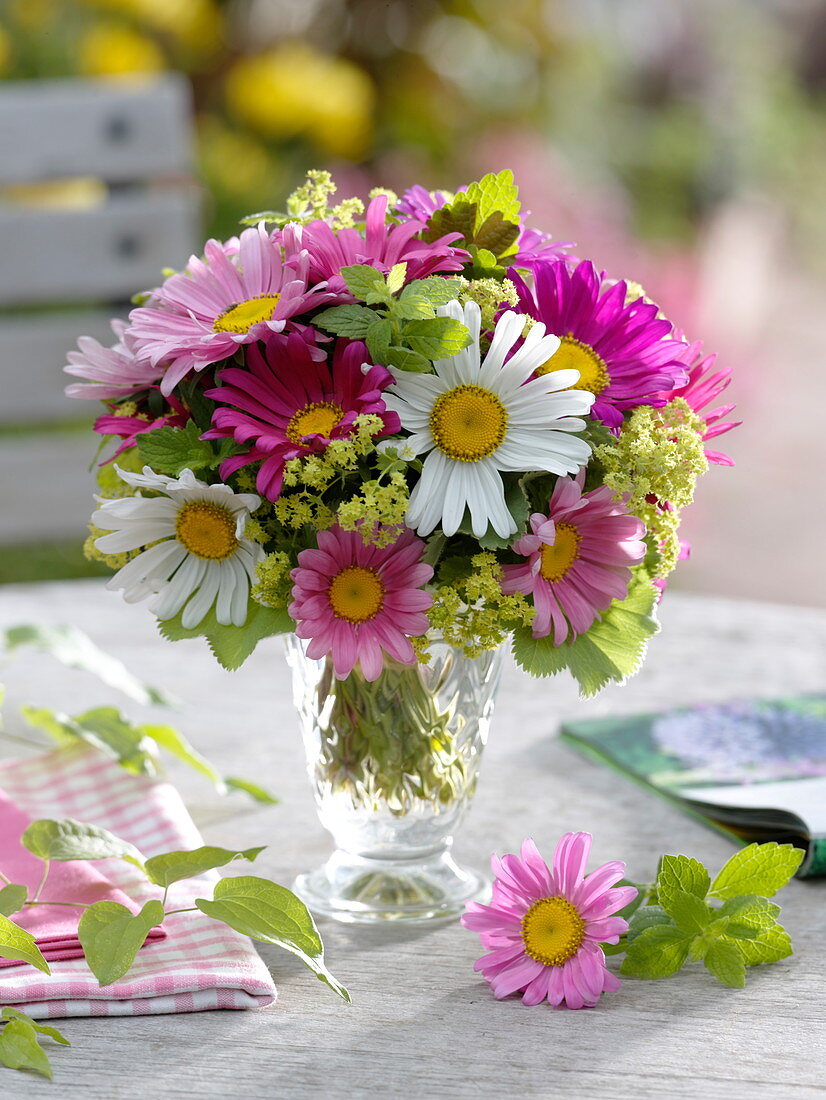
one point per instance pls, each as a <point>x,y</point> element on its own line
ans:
<point>238,293</point>
<point>358,602</point>
<point>545,925</point>
<point>624,352</point>
<point>580,557</point>
<point>110,372</point>
<point>289,405</point>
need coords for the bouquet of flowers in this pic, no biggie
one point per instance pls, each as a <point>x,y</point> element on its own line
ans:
<point>372,426</point>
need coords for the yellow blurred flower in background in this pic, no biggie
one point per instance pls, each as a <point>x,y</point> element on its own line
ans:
<point>234,162</point>
<point>196,24</point>
<point>294,89</point>
<point>5,51</point>
<point>112,49</point>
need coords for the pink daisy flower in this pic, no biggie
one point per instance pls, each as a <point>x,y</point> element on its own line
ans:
<point>238,293</point>
<point>382,246</point>
<point>579,559</point>
<point>128,428</point>
<point>544,926</point>
<point>111,372</point>
<point>291,405</point>
<point>704,386</point>
<point>624,353</point>
<point>354,601</point>
<point>419,203</point>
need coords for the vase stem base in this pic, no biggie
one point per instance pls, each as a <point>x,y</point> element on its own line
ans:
<point>358,890</point>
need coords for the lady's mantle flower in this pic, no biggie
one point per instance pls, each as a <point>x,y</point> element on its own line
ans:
<point>544,926</point>
<point>237,294</point>
<point>703,387</point>
<point>479,417</point>
<point>623,352</point>
<point>355,601</point>
<point>197,555</point>
<point>579,559</point>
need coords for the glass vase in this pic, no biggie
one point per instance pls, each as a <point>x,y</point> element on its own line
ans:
<point>393,764</point>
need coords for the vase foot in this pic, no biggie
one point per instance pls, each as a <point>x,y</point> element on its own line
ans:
<point>358,890</point>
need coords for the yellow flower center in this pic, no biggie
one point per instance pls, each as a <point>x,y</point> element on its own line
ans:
<point>319,417</point>
<point>468,423</point>
<point>243,315</point>
<point>356,594</point>
<point>572,354</point>
<point>207,530</point>
<point>556,560</point>
<point>552,931</point>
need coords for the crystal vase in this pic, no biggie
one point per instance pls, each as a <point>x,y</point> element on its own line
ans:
<point>393,764</point>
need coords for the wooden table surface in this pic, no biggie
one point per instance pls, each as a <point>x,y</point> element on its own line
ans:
<point>422,1024</point>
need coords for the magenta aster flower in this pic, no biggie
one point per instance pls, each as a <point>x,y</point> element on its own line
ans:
<point>382,246</point>
<point>623,352</point>
<point>544,926</point>
<point>704,386</point>
<point>579,559</point>
<point>354,601</point>
<point>111,372</point>
<point>128,428</point>
<point>418,203</point>
<point>235,295</point>
<point>291,405</point>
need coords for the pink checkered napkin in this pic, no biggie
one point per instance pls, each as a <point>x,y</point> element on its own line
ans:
<point>200,965</point>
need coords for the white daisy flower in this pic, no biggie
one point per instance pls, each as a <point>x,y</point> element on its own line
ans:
<point>198,555</point>
<point>477,418</point>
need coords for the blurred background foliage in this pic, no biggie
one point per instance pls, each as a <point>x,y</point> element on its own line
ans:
<point>679,143</point>
<point>662,109</point>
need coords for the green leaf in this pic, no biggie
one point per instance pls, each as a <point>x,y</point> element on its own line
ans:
<point>770,946</point>
<point>270,913</point>
<point>611,651</point>
<point>404,359</point>
<point>19,1048</point>
<point>412,304</point>
<point>352,321</point>
<point>378,340</point>
<point>487,216</point>
<point>438,290</point>
<point>74,649</point>
<point>9,1013</point>
<point>12,899</point>
<point>757,869</point>
<point>111,936</point>
<point>725,961</point>
<point>658,952</point>
<point>18,944</point>
<point>65,839</point>
<point>496,193</point>
<point>105,728</point>
<point>171,867</point>
<point>681,873</point>
<point>363,281</point>
<point>749,916</point>
<point>395,279</point>
<point>273,216</point>
<point>231,645</point>
<point>259,794</point>
<point>647,916</point>
<point>171,450</point>
<point>690,913</point>
<point>437,337</point>
<point>166,737</point>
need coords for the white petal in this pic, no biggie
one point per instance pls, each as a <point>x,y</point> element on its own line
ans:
<point>204,596</point>
<point>179,588</point>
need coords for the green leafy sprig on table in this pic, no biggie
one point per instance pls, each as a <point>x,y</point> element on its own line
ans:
<point>727,922</point>
<point>20,1042</point>
<point>111,935</point>
<point>398,322</point>
<point>134,746</point>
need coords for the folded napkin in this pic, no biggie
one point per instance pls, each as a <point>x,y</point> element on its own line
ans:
<point>200,964</point>
<point>54,927</point>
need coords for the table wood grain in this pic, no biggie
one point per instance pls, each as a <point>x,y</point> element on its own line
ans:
<point>422,1024</point>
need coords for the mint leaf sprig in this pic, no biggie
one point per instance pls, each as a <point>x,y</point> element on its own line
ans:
<point>111,935</point>
<point>398,321</point>
<point>682,921</point>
